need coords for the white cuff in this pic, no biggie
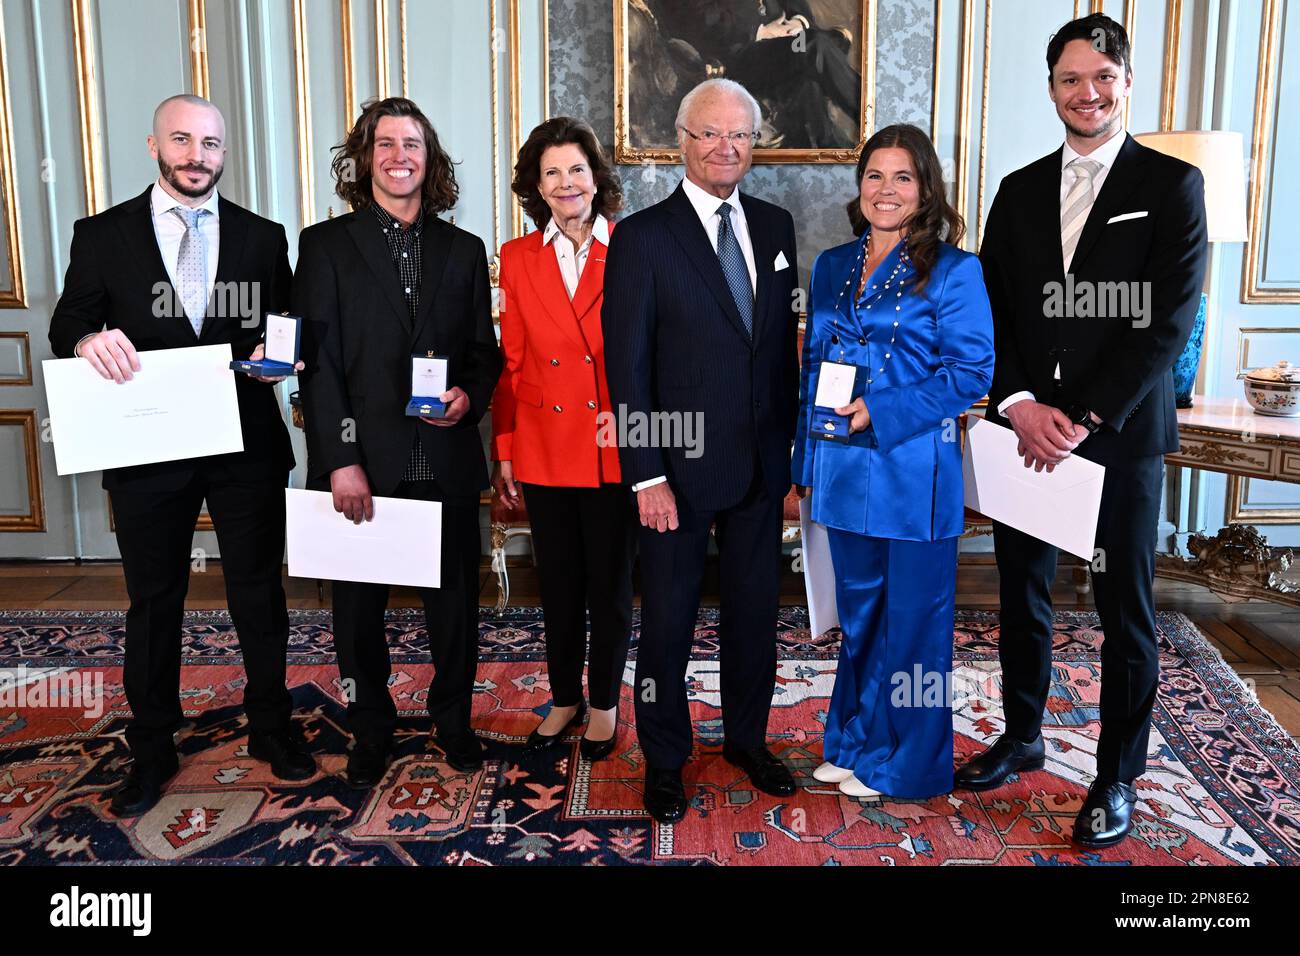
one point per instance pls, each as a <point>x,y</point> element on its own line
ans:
<point>646,484</point>
<point>76,349</point>
<point>1012,399</point>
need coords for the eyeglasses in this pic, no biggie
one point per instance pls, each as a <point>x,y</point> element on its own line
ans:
<point>711,138</point>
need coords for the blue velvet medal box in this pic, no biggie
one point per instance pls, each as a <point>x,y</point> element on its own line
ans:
<point>828,426</point>
<point>282,345</point>
<point>428,381</point>
<point>835,387</point>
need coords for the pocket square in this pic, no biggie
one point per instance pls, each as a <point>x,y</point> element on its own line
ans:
<point>780,263</point>
<point>1127,215</point>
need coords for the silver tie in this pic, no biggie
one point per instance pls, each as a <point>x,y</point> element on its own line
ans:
<point>192,268</point>
<point>1077,205</point>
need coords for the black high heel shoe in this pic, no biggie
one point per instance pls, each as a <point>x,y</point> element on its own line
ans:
<point>593,750</point>
<point>539,741</point>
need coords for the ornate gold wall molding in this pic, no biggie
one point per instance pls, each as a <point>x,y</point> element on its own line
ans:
<point>349,80</point>
<point>200,80</point>
<point>381,49</point>
<point>961,150</point>
<point>34,520</point>
<point>15,297</point>
<point>92,146</point>
<point>495,85</point>
<point>26,347</point>
<point>406,76</point>
<point>546,59</point>
<point>1261,138</point>
<point>1238,513</point>
<point>306,179</point>
<point>1169,87</point>
<point>934,75</point>
<point>984,122</point>
<point>516,103</point>
<point>1130,22</point>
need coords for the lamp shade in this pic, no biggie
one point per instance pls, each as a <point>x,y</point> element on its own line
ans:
<point>1219,156</point>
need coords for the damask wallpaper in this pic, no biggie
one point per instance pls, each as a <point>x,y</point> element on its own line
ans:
<point>581,64</point>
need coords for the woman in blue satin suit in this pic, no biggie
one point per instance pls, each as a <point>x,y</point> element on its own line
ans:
<point>901,314</point>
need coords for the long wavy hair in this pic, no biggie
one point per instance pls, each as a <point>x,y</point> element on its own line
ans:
<point>352,158</point>
<point>935,220</point>
<point>563,131</point>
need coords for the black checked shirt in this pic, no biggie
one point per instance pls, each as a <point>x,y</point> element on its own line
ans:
<point>404,246</point>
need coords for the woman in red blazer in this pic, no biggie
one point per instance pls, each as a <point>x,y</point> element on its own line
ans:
<point>550,404</point>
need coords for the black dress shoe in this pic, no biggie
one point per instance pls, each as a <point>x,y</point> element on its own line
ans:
<point>367,762</point>
<point>665,798</point>
<point>288,759</point>
<point>1106,815</point>
<point>765,771</point>
<point>140,791</point>
<point>593,750</point>
<point>539,741</point>
<point>991,768</point>
<point>464,752</point>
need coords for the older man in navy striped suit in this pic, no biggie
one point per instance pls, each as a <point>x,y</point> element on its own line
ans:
<point>699,325</point>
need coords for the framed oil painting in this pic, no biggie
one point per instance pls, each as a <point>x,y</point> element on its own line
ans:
<point>809,63</point>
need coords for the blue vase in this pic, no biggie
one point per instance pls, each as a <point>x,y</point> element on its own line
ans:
<point>1187,364</point>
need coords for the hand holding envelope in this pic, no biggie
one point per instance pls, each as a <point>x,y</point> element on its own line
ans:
<point>179,403</point>
<point>400,543</point>
<point>1059,506</point>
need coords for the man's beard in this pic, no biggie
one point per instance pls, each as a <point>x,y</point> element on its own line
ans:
<point>1104,129</point>
<point>173,180</point>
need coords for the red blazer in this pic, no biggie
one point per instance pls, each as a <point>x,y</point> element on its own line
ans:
<point>552,388</point>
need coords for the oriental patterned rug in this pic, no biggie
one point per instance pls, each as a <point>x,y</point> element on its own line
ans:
<point>1222,787</point>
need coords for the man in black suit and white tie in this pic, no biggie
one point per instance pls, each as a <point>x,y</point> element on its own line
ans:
<point>1115,216</point>
<point>698,322</point>
<point>175,267</point>
<point>385,282</point>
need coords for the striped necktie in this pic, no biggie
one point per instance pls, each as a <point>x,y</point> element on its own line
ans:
<point>1077,205</point>
<point>734,268</point>
<point>192,267</point>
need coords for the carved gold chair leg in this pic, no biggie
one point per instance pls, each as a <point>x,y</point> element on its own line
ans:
<point>501,535</point>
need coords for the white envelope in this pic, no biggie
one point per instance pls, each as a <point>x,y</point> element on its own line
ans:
<point>181,404</point>
<point>402,544</point>
<point>818,572</point>
<point>1059,508</point>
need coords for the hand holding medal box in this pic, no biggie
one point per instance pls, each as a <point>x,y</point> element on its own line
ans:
<point>280,349</point>
<point>428,385</point>
<point>834,390</point>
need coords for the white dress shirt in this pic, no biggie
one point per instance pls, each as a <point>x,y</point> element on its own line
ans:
<point>572,263</point>
<point>706,207</point>
<point>1104,154</point>
<point>168,231</point>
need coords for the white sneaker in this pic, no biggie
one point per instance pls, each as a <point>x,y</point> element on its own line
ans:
<point>853,787</point>
<point>829,773</point>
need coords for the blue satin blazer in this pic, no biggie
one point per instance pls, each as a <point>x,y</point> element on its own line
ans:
<point>902,477</point>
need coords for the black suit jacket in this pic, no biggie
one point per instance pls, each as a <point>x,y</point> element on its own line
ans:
<point>359,339</point>
<point>675,342</point>
<point>1117,367</point>
<point>719,31</point>
<point>116,278</point>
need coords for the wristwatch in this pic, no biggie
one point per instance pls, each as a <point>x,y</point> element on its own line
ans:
<point>1082,416</point>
